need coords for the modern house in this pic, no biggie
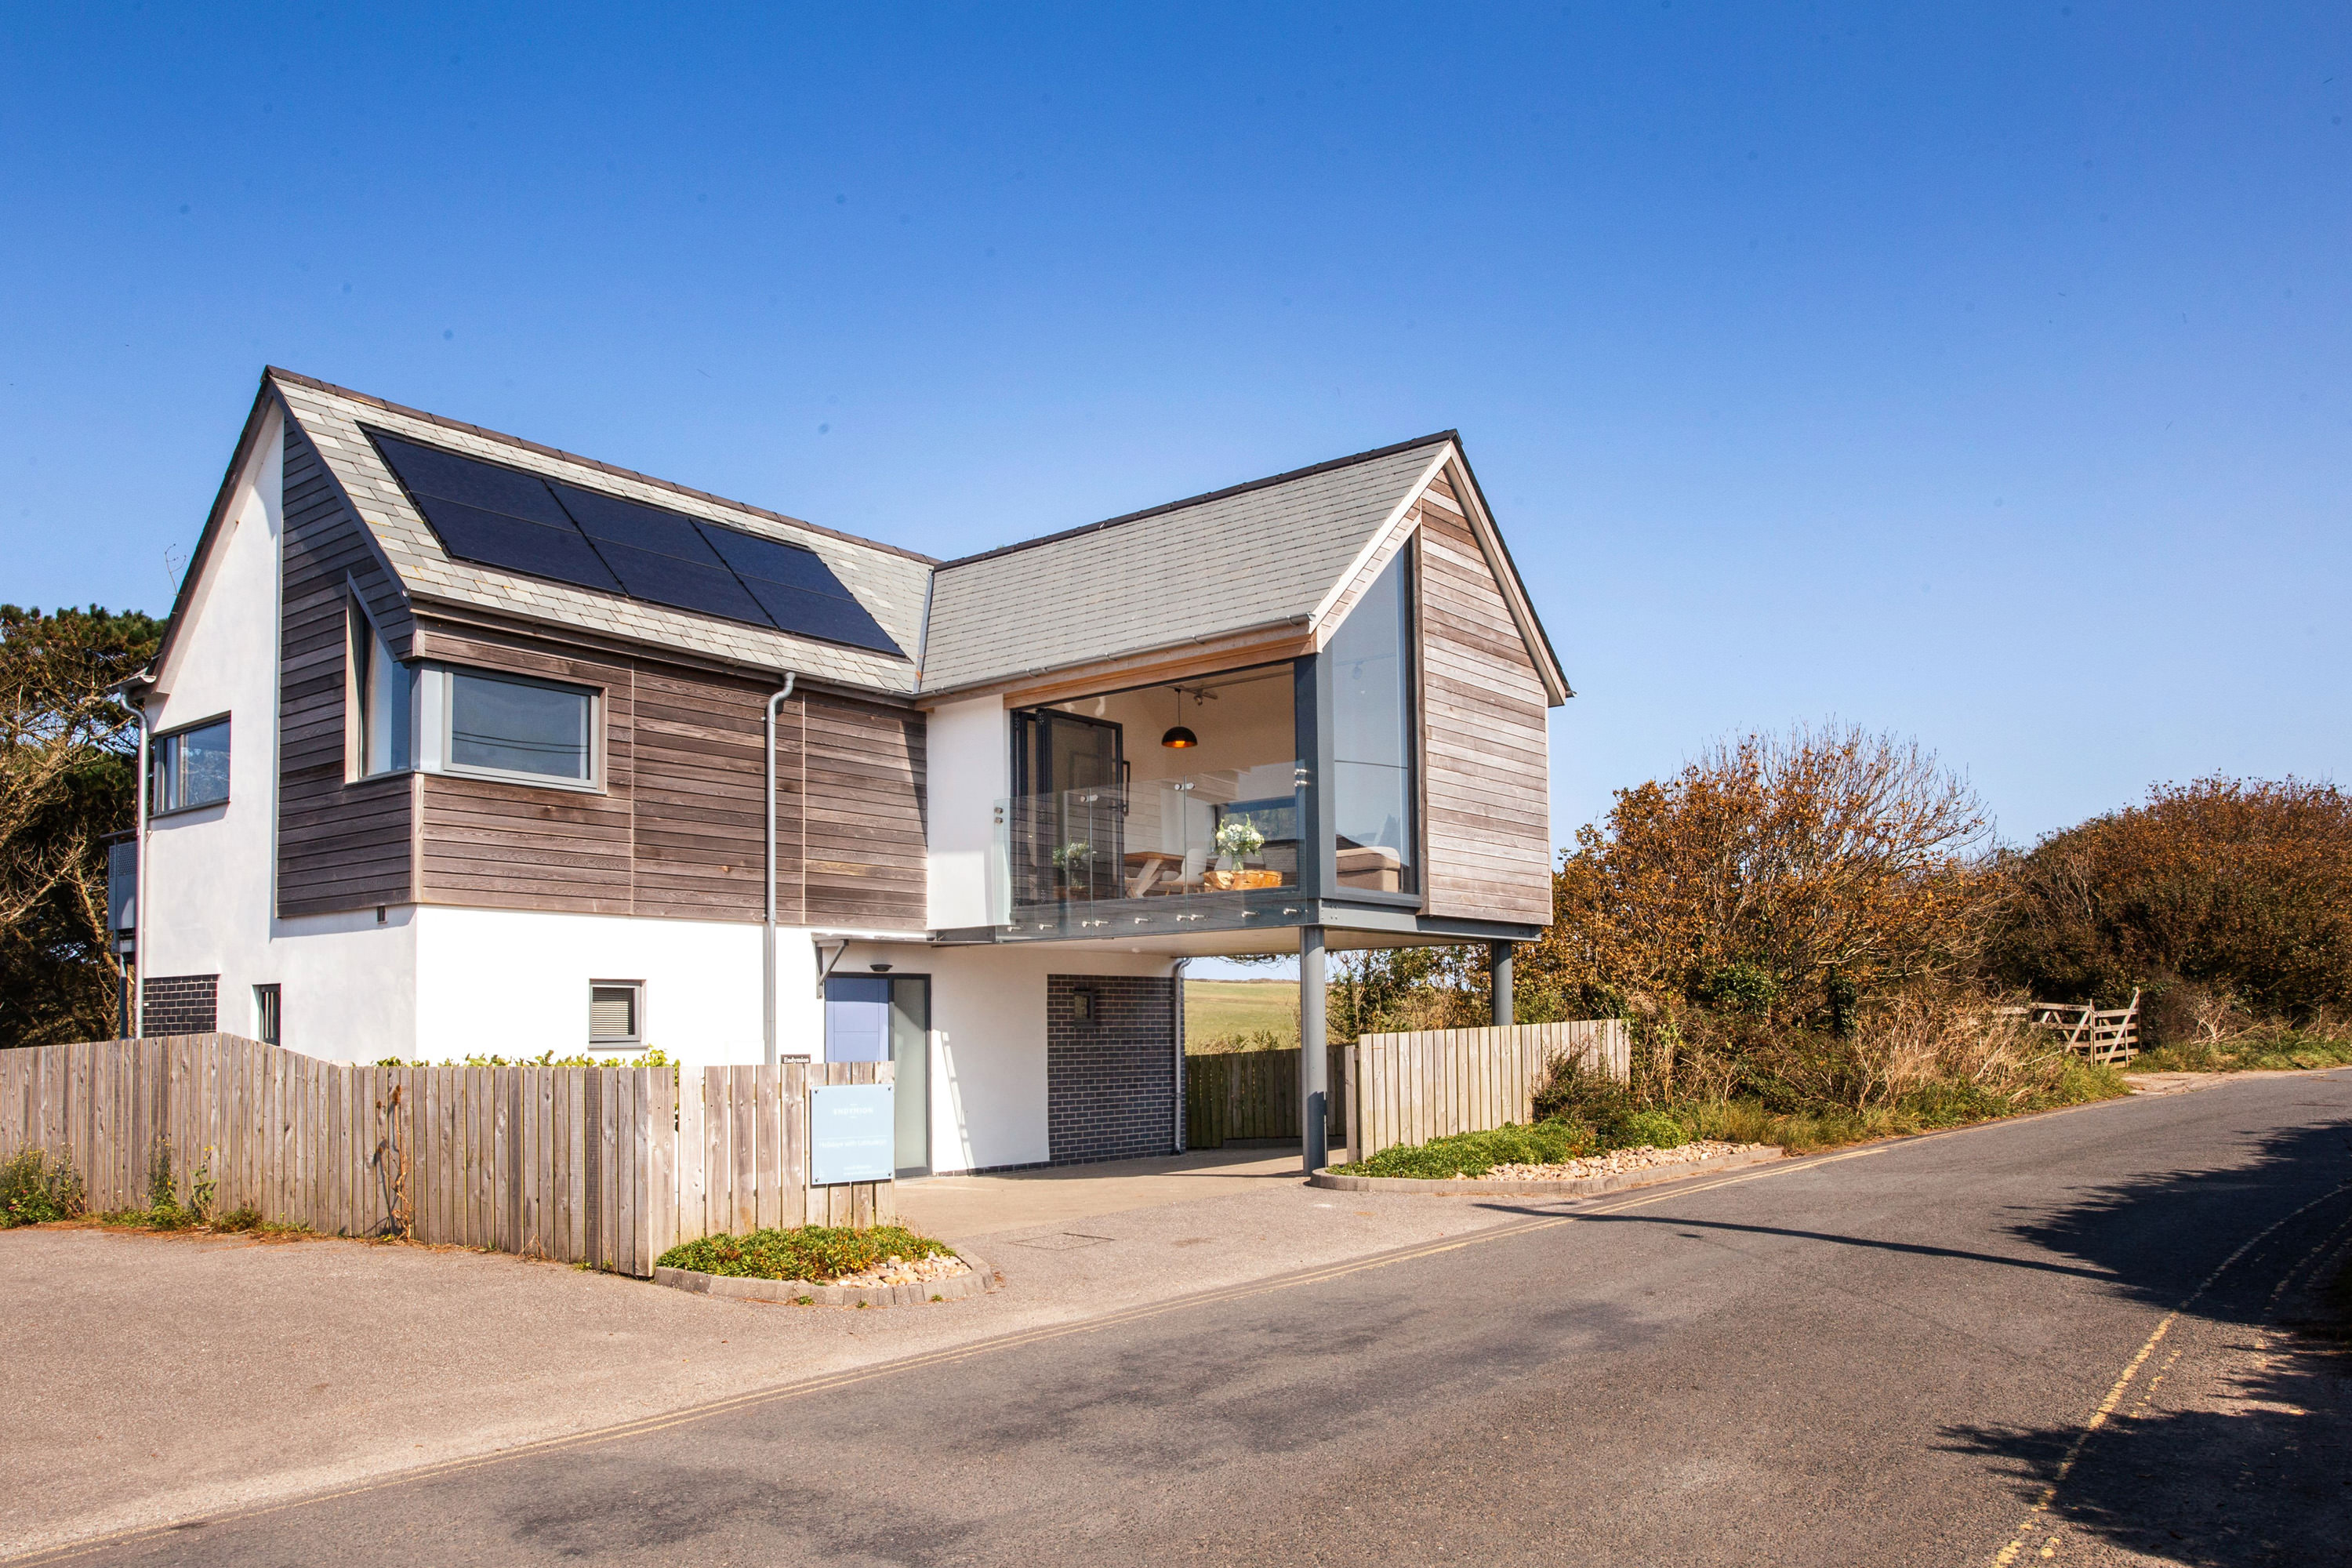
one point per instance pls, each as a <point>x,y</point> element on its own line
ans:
<point>458,744</point>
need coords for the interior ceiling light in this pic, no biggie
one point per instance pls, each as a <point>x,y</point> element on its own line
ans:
<point>1178,737</point>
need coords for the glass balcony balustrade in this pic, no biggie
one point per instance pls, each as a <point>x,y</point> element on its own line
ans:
<point>1214,850</point>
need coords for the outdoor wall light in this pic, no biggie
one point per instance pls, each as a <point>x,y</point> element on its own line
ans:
<point>1082,1006</point>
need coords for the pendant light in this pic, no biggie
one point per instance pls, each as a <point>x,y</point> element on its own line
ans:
<point>1178,737</point>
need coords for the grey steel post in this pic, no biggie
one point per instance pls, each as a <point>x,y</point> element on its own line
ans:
<point>1498,974</point>
<point>1313,1061</point>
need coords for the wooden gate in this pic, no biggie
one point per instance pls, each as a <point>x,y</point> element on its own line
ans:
<point>1231,1096</point>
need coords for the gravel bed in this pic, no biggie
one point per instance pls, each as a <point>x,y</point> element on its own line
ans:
<point>1614,1163</point>
<point>906,1271</point>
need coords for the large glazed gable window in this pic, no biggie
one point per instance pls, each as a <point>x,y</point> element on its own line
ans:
<point>188,769</point>
<point>505,725</point>
<point>1372,738</point>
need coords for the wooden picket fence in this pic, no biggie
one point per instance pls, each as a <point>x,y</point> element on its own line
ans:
<point>1230,1096</point>
<point>1407,1089</point>
<point>607,1166</point>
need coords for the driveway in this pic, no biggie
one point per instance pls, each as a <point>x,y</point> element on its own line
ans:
<point>1892,1354</point>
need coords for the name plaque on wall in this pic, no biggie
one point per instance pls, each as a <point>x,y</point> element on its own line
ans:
<point>852,1134</point>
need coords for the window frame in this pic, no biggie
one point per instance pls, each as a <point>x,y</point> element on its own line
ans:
<point>435,713</point>
<point>269,1014</point>
<point>163,753</point>
<point>634,1042</point>
<point>364,644</point>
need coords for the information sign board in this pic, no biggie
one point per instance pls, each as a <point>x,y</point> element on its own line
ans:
<point>851,1134</point>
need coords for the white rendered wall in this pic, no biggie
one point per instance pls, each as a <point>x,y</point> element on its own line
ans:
<point>513,982</point>
<point>968,769</point>
<point>988,1039</point>
<point>346,983</point>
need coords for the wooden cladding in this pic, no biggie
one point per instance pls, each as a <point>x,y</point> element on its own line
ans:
<point>342,843</point>
<point>605,1166</point>
<point>678,827</point>
<point>1486,769</point>
<point>678,823</point>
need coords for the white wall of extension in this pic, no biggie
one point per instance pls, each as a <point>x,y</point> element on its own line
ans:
<point>515,984</point>
<point>970,744</point>
<point>988,1039</point>
<point>208,872</point>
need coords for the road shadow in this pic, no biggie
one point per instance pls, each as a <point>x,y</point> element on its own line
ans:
<point>2241,1452</point>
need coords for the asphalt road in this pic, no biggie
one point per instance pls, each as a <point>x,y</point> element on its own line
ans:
<point>1887,1356</point>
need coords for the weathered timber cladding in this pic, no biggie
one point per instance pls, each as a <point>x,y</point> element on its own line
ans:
<point>342,843</point>
<point>678,827</point>
<point>1484,767</point>
<point>490,844</point>
<point>862,813</point>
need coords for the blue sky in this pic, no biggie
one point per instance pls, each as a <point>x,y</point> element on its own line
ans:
<point>1974,373</point>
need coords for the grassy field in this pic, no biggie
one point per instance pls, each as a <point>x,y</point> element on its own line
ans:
<point>1220,1009</point>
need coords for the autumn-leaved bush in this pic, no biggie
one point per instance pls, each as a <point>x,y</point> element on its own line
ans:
<point>2226,902</point>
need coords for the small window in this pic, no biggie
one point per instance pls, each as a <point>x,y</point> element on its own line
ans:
<point>265,1016</point>
<point>517,728</point>
<point>384,691</point>
<point>188,769</point>
<point>617,1014</point>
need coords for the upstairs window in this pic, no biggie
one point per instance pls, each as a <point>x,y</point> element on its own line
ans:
<point>511,727</point>
<point>188,769</point>
<point>384,691</point>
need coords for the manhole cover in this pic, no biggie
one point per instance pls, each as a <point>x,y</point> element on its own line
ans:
<point>1061,1241</point>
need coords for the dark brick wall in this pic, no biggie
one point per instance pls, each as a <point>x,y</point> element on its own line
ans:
<point>180,1005</point>
<point>1110,1081</point>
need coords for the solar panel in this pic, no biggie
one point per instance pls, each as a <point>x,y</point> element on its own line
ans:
<point>610,518</point>
<point>824,616</point>
<point>661,579</point>
<point>428,471</point>
<point>799,590</point>
<point>502,516</point>
<point>495,538</point>
<point>778,562</point>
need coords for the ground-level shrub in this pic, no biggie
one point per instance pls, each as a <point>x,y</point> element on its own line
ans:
<point>34,1189</point>
<point>815,1253</point>
<point>2255,1049</point>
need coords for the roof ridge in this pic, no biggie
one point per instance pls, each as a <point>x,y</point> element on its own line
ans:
<point>314,384</point>
<point>1230,490</point>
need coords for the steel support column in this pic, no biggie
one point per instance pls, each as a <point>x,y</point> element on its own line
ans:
<point>1314,1055</point>
<point>1498,974</point>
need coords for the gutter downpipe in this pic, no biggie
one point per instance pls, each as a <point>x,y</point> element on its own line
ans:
<point>767,930</point>
<point>134,1010</point>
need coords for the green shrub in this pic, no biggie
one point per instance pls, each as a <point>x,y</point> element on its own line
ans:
<point>1651,1129</point>
<point>33,1190</point>
<point>816,1253</point>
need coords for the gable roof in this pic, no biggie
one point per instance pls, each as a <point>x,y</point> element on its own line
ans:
<point>1256,555</point>
<point>1289,551</point>
<point>889,582</point>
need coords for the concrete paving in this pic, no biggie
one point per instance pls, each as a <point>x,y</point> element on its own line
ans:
<point>955,1207</point>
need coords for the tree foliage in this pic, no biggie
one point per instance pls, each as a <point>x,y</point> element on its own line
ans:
<point>1779,878</point>
<point>2243,887</point>
<point>68,748</point>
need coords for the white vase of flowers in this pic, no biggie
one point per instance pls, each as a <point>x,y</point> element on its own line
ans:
<point>1236,841</point>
